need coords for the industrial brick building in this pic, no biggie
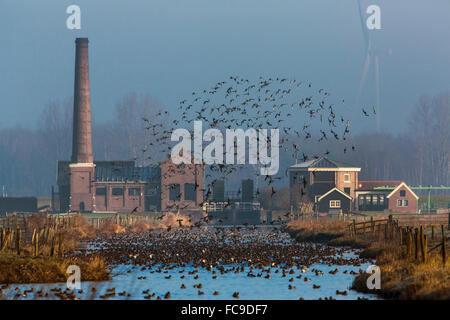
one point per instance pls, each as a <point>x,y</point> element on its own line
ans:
<point>118,186</point>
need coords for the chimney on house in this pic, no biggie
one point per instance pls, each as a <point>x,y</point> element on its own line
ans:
<point>82,132</point>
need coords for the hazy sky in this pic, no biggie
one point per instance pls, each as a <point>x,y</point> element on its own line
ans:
<point>169,48</point>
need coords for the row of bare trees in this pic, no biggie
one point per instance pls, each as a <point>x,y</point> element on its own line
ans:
<point>28,157</point>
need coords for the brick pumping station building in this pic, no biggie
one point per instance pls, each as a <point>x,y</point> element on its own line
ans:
<point>118,186</point>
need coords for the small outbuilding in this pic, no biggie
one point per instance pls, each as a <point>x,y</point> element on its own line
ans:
<point>334,200</point>
<point>402,199</point>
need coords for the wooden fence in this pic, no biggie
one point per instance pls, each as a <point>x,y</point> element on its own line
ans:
<point>48,235</point>
<point>416,239</point>
<point>16,240</point>
<point>17,236</point>
<point>127,220</point>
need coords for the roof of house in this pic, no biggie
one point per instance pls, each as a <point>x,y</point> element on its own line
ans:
<point>371,184</point>
<point>331,191</point>
<point>406,187</point>
<point>126,173</point>
<point>322,163</point>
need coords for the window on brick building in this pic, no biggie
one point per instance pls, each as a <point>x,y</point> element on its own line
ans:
<point>174,192</point>
<point>117,191</point>
<point>402,193</point>
<point>405,203</point>
<point>189,191</point>
<point>100,191</point>
<point>134,191</point>
<point>347,177</point>
<point>399,203</point>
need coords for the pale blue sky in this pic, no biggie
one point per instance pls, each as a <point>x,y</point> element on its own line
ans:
<point>169,48</point>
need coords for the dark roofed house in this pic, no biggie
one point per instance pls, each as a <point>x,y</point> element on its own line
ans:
<point>334,201</point>
<point>318,176</point>
<point>321,163</point>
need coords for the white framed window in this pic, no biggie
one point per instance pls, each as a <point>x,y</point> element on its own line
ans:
<point>399,203</point>
<point>335,203</point>
<point>405,203</point>
<point>347,177</point>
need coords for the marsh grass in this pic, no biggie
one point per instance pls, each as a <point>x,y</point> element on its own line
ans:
<point>317,230</point>
<point>26,269</point>
<point>405,278</point>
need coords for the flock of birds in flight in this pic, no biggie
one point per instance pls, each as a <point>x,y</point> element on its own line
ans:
<point>266,103</point>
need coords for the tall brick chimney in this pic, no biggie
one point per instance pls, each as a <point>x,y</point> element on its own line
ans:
<point>82,166</point>
<point>82,133</point>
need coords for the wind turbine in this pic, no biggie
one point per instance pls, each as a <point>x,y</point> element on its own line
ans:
<point>372,53</point>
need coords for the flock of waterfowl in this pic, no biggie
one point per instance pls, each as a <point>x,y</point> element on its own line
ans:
<point>178,256</point>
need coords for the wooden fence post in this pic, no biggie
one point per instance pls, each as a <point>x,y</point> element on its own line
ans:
<point>400,232</point>
<point>411,244</point>
<point>5,239</point>
<point>2,238</point>
<point>18,241</point>
<point>354,228</point>
<point>444,246</point>
<point>36,245</point>
<point>425,248</point>
<point>61,245</point>
<point>393,228</point>
<point>416,243</point>
<point>52,248</point>
<point>408,244</point>
<point>422,244</point>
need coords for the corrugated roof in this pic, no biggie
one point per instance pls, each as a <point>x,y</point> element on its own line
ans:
<point>127,173</point>
<point>322,162</point>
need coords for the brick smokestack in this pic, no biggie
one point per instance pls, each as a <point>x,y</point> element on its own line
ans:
<point>82,132</point>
